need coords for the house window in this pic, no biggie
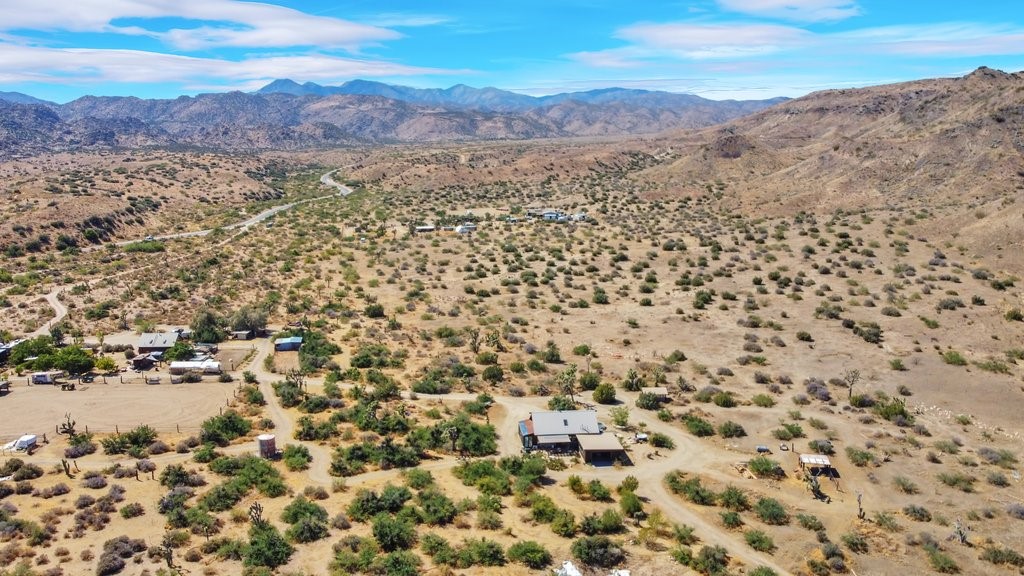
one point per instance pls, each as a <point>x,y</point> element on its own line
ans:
<point>565,423</point>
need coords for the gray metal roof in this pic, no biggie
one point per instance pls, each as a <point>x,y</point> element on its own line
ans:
<point>564,422</point>
<point>158,340</point>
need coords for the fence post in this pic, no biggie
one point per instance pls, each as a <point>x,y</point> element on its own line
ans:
<point>116,431</point>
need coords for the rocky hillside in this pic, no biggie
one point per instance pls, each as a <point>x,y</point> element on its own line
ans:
<point>926,143</point>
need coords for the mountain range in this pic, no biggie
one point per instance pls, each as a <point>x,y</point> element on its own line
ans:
<point>285,115</point>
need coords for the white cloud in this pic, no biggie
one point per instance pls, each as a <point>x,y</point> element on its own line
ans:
<point>225,22</point>
<point>19,63</point>
<point>402,20</point>
<point>797,10</point>
<point>700,41</point>
<point>627,57</point>
<point>944,39</point>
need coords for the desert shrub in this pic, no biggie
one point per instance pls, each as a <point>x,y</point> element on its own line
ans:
<point>711,560</point>
<point>758,540</point>
<point>958,480</point>
<point>763,400</point>
<point>954,358</point>
<point>604,393</point>
<point>132,510</point>
<point>734,499</point>
<point>855,542</point>
<point>267,547</point>
<point>530,554</point>
<point>859,457</point>
<point>296,457</point>
<point>918,513</point>
<point>810,522</point>
<point>730,429</point>
<point>731,519</point>
<point>224,428</point>
<point>1004,458</point>
<point>659,440</point>
<point>764,467</point>
<point>1003,556</point>
<point>771,511</point>
<point>698,426</point>
<point>1015,511</point>
<point>940,561</point>
<point>905,485</point>
<point>598,551</point>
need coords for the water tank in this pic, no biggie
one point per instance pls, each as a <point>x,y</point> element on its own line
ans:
<point>266,446</point>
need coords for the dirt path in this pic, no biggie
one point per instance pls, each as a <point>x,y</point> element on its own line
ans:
<point>52,298</point>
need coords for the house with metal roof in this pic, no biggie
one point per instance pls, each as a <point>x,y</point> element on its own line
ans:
<point>569,431</point>
<point>156,342</point>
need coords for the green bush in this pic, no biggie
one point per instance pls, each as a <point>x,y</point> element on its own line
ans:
<point>759,541</point>
<point>599,551</point>
<point>604,394</point>
<point>698,426</point>
<point>764,467</point>
<point>267,547</point>
<point>393,533</point>
<point>530,554</point>
<point>771,511</point>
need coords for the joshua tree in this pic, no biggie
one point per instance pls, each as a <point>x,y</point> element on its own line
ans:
<point>256,513</point>
<point>68,427</point>
<point>567,382</point>
<point>851,377</point>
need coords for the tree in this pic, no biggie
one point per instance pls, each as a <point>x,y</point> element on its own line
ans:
<point>604,393</point>
<point>57,334</point>
<point>567,382</point>
<point>207,327</point>
<point>249,318</point>
<point>851,377</point>
<point>180,351</point>
<point>74,360</point>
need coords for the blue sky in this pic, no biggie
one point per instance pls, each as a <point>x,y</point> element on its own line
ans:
<point>62,49</point>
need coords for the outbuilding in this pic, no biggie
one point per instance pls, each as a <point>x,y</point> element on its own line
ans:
<point>290,343</point>
<point>600,447</point>
<point>203,367</point>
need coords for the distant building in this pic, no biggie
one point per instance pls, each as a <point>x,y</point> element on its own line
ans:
<point>424,229</point>
<point>156,342</point>
<point>243,334</point>
<point>288,344</point>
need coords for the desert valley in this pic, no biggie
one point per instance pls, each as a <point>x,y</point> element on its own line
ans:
<point>314,330</point>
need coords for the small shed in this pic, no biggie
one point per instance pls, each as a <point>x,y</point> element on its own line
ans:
<point>288,344</point>
<point>600,447</point>
<point>660,391</point>
<point>143,361</point>
<point>242,334</point>
<point>424,229</point>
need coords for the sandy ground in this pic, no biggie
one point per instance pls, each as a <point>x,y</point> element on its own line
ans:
<point>101,407</point>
